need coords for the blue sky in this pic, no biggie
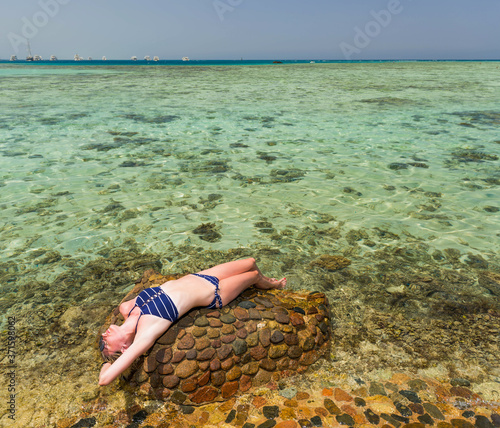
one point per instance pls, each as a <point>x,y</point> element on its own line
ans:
<point>253,29</point>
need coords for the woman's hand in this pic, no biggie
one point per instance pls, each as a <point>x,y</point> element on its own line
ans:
<point>104,368</point>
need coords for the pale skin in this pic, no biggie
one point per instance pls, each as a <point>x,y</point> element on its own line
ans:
<point>186,293</point>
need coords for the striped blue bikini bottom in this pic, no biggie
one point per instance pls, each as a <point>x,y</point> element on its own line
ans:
<point>217,302</point>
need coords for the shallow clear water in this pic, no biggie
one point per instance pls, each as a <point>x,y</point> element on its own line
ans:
<point>281,143</point>
<point>287,162</point>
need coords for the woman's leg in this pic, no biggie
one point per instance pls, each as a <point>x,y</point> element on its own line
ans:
<point>238,267</point>
<point>230,288</point>
<point>226,270</point>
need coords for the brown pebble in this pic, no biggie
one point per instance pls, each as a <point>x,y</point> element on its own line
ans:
<point>202,343</point>
<point>164,355</point>
<point>215,322</point>
<point>268,364</point>
<point>242,333</point>
<point>204,378</point>
<point>460,391</point>
<point>229,389</point>
<point>213,333</point>
<point>282,318</point>
<point>277,351</point>
<point>224,351</point>
<point>206,355</point>
<point>213,314</point>
<point>241,314</point>
<point>254,314</point>
<point>187,342</point>
<point>178,357</point>
<point>416,408</point>
<point>214,365</point>
<point>291,403</point>
<point>228,339</point>
<point>170,381</point>
<point>265,337</point>
<point>165,369</point>
<point>234,374</point>
<point>258,353</point>
<point>250,368</point>
<point>291,339</point>
<point>245,383</point>
<point>227,364</point>
<point>461,423</point>
<point>296,319</point>
<point>186,368</point>
<point>199,331</point>
<point>227,329</point>
<point>218,378</point>
<point>204,395</point>
<point>320,411</point>
<point>189,385</point>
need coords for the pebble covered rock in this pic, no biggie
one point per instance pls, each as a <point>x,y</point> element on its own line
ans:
<point>212,355</point>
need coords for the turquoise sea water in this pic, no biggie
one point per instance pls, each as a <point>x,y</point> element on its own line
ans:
<point>392,165</point>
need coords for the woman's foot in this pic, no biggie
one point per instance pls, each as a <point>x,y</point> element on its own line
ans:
<point>265,283</point>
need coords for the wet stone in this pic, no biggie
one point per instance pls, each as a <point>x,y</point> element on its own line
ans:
<point>410,395</point>
<point>417,385</point>
<point>263,301</point>
<point>468,414</point>
<point>332,407</point>
<point>417,408</point>
<point>359,402</point>
<point>268,424</point>
<point>483,422</point>
<point>191,354</point>
<point>227,318</point>
<point>282,318</point>
<point>317,422</point>
<point>433,411</point>
<point>391,420</point>
<point>461,423</point>
<point>271,412</point>
<point>345,419</point>
<point>246,304</point>
<point>299,310</point>
<point>254,314</point>
<point>228,339</point>
<point>405,411</point>
<point>495,418</point>
<point>372,417</point>
<point>276,337</point>
<point>426,419</point>
<point>239,347</point>
<point>201,321</point>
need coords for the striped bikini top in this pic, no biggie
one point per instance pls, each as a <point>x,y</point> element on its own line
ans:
<point>154,301</point>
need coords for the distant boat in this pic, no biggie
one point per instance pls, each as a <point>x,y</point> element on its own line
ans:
<point>90,58</point>
<point>29,57</point>
<point>185,58</point>
<point>104,58</point>
<point>134,58</point>
<point>147,58</point>
<point>156,58</point>
<point>53,58</point>
<point>13,58</point>
<point>78,57</point>
<point>37,58</point>
<point>312,62</point>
